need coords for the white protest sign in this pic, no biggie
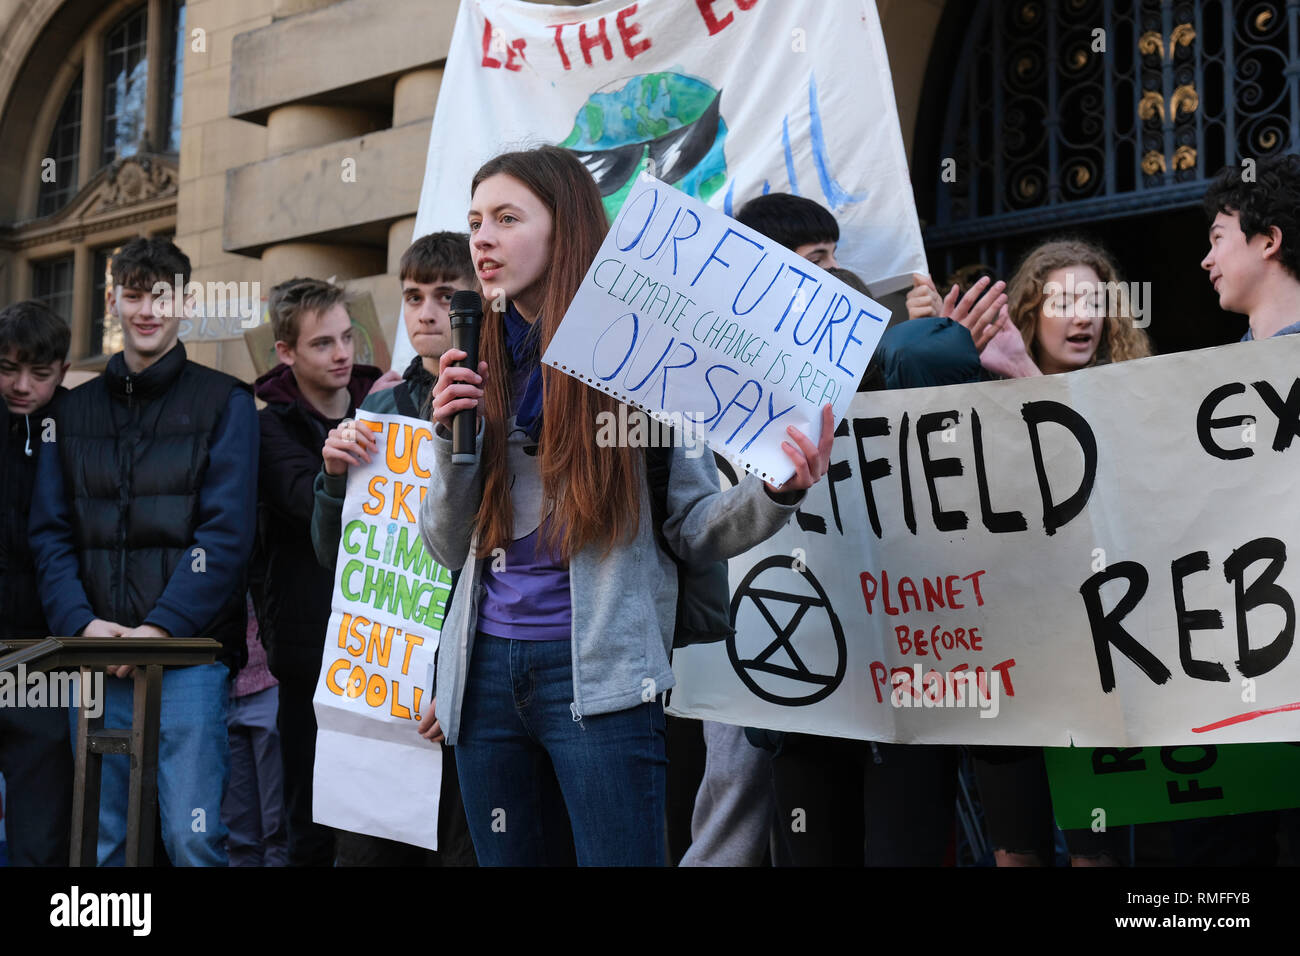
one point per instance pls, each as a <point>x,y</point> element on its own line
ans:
<point>1106,558</point>
<point>723,100</point>
<point>706,324</point>
<point>374,773</point>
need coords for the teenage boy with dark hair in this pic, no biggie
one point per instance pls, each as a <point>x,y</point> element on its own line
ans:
<point>432,269</point>
<point>315,386</point>
<point>34,754</point>
<point>912,354</point>
<point>831,778</point>
<point>1254,257</point>
<point>1254,266</point>
<point>720,791</point>
<point>804,227</point>
<point>142,526</point>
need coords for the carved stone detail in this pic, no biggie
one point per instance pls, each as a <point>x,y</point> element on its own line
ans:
<point>136,179</point>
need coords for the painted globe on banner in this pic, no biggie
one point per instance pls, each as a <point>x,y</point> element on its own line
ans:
<point>668,123</point>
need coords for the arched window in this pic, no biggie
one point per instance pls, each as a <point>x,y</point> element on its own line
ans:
<point>125,77</point>
<point>94,119</point>
<point>175,75</point>
<point>126,74</point>
<point>59,167</point>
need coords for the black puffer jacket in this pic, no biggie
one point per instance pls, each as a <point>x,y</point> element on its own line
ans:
<point>294,607</point>
<point>135,450</point>
<point>21,615</point>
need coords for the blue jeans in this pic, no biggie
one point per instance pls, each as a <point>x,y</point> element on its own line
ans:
<point>193,766</point>
<point>541,787</point>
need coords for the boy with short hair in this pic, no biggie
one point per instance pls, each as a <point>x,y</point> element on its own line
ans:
<point>830,778</point>
<point>432,269</point>
<point>1254,257</point>
<point>804,227</point>
<point>315,386</point>
<point>34,754</point>
<point>731,809</point>
<point>141,527</point>
<point>1254,266</point>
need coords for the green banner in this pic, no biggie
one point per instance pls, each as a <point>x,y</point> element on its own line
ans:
<point>1110,786</point>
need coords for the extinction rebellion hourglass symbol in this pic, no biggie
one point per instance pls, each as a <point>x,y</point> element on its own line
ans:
<point>800,661</point>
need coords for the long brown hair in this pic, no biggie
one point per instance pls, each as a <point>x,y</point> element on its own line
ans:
<point>1121,339</point>
<point>593,493</point>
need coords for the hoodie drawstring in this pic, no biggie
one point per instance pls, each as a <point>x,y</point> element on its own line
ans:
<point>27,420</point>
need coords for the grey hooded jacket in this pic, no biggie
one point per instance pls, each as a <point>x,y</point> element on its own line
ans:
<point>624,603</point>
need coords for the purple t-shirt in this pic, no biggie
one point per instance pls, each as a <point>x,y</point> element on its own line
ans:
<point>528,598</point>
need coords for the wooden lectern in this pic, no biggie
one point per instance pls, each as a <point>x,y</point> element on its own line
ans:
<point>149,655</point>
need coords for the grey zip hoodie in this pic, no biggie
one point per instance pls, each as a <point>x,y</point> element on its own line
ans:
<point>624,604</point>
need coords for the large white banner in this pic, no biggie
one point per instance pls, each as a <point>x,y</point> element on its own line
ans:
<point>1105,558</point>
<point>715,329</point>
<point>723,99</point>
<point>374,773</point>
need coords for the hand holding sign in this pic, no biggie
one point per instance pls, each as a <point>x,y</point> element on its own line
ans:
<point>810,461</point>
<point>347,445</point>
<point>718,331</point>
<point>429,728</point>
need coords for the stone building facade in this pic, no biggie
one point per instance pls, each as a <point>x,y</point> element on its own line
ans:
<point>269,138</point>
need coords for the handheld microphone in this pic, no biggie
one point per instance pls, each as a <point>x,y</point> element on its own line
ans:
<point>466,315</point>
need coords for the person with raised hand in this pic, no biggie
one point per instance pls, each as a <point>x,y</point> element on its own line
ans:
<point>1057,319</point>
<point>432,269</point>
<point>976,305</point>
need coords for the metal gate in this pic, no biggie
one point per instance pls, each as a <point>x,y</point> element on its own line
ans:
<point>1072,111</point>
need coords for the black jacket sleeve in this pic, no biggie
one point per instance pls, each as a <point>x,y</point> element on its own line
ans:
<point>288,467</point>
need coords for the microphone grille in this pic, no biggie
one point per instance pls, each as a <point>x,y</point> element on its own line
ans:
<point>466,300</point>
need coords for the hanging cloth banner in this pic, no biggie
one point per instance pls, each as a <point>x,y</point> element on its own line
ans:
<point>1101,559</point>
<point>723,99</point>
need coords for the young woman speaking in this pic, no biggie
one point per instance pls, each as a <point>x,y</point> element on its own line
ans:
<point>555,647</point>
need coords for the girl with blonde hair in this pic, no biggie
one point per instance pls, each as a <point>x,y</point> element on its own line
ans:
<point>1067,309</point>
